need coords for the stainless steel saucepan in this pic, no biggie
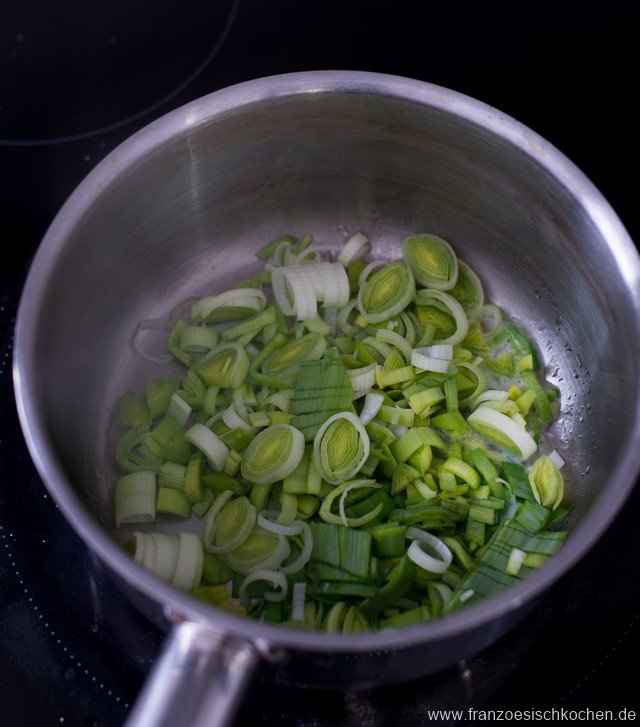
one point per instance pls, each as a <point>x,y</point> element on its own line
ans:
<point>181,207</point>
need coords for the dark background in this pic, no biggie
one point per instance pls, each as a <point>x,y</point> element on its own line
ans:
<point>77,78</point>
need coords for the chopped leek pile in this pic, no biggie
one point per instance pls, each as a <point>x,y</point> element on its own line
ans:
<point>357,443</point>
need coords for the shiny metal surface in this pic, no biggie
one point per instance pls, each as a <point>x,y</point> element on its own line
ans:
<point>181,207</point>
<point>196,682</point>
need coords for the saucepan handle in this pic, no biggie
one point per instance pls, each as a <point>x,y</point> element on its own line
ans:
<point>197,681</point>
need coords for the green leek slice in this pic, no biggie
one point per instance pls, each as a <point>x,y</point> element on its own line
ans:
<point>287,360</point>
<point>443,311</point>
<point>386,293</point>
<point>341,447</point>
<point>468,289</point>
<point>133,411</point>
<point>273,454</point>
<point>261,549</point>
<point>341,491</point>
<point>322,389</point>
<point>503,431</point>
<point>432,260</point>
<point>225,367</point>
<point>228,529</point>
<point>546,482</point>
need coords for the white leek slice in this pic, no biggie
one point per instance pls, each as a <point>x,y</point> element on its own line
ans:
<point>372,404</point>
<point>490,395</point>
<point>299,288</point>
<point>282,254</point>
<point>362,379</point>
<point>190,560</point>
<point>341,447</point>
<point>519,419</point>
<point>421,360</point>
<point>294,293</point>
<point>209,444</point>
<point>375,345</point>
<point>395,339</point>
<point>557,459</point>
<point>267,520</point>
<point>516,559</point>
<point>241,301</point>
<point>239,403</point>
<point>343,318</point>
<point>331,318</point>
<point>331,285</point>
<point>273,578</point>
<point>273,455</point>
<point>149,555</point>
<point>503,431</point>
<point>135,498</point>
<point>167,552</point>
<point>443,351</point>
<point>437,560</point>
<point>212,515</point>
<point>279,400</point>
<point>297,601</point>
<point>135,546</point>
<point>305,554</point>
<point>355,248</point>
<point>234,421</point>
<point>179,409</point>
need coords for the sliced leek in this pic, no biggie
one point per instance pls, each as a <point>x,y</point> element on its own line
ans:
<point>135,498</point>
<point>287,360</point>
<point>228,528</point>
<point>273,454</point>
<point>445,313</point>
<point>209,444</point>
<point>386,293</point>
<point>341,447</point>
<point>354,468</point>
<point>238,303</point>
<point>225,367</point>
<point>468,289</point>
<point>502,431</point>
<point>547,482</point>
<point>432,260</point>
<point>355,248</point>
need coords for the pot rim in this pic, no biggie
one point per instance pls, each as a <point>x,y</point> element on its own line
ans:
<point>205,110</point>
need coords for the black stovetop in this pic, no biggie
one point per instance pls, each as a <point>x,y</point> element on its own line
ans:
<point>74,82</point>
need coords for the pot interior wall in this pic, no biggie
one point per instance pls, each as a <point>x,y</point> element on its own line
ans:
<point>187,218</point>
